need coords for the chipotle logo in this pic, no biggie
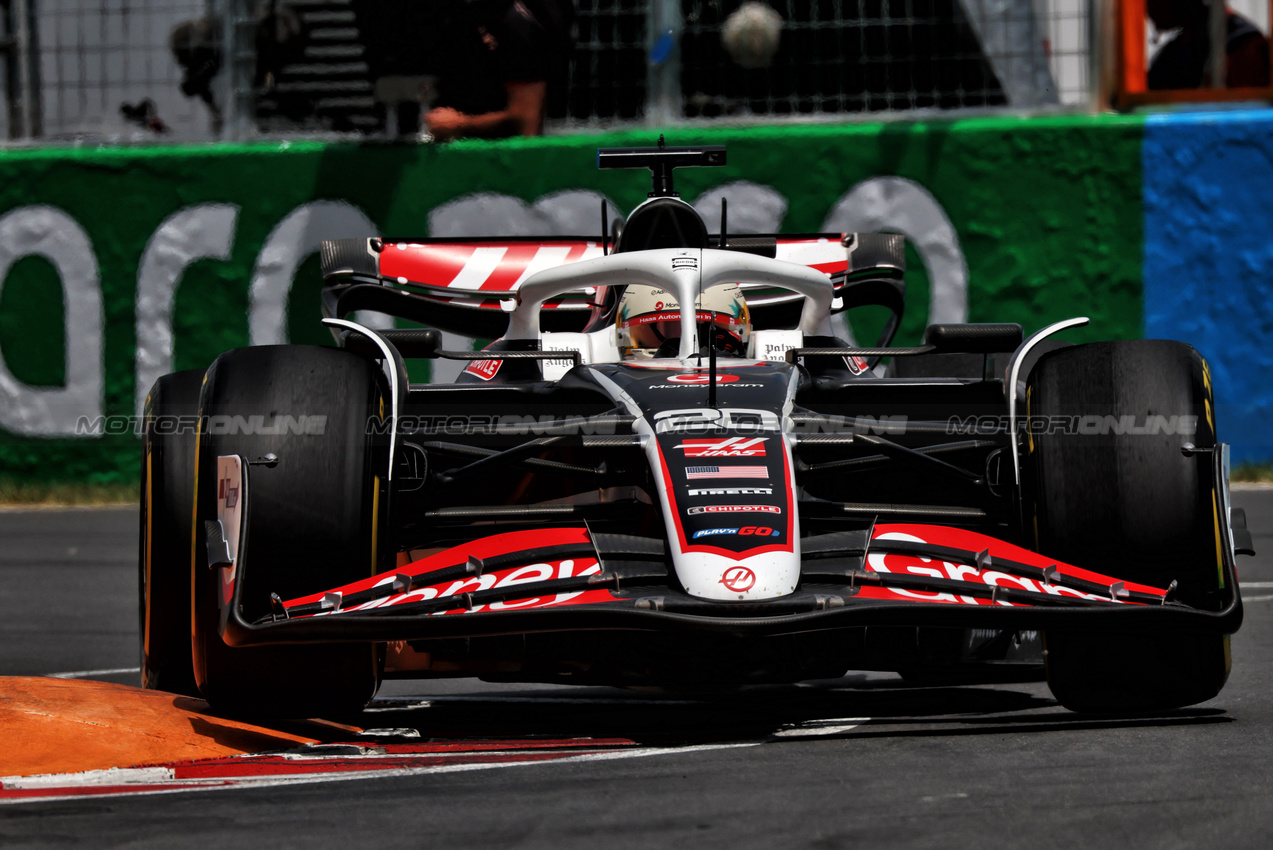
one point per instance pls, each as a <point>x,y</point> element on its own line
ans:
<point>484,369</point>
<point>735,509</point>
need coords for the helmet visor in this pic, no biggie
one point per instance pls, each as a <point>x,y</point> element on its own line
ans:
<point>653,329</point>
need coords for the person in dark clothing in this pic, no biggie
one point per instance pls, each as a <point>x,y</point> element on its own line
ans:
<point>499,66</point>
<point>1182,62</point>
<point>196,45</point>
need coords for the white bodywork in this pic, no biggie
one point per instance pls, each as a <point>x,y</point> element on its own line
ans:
<point>686,272</point>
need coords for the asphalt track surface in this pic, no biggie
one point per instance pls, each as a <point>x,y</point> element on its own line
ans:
<point>858,762</point>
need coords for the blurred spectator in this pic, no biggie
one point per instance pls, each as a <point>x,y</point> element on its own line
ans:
<point>407,44</point>
<point>196,45</point>
<point>144,114</point>
<point>280,41</point>
<point>494,81</point>
<point>1182,62</point>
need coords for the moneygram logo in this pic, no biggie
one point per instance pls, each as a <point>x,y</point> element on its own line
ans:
<point>724,447</point>
<point>735,509</point>
<point>701,378</point>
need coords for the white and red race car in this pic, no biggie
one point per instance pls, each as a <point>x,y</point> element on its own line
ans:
<point>620,491</point>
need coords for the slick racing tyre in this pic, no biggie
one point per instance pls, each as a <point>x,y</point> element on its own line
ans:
<point>313,520</point>
<point>167,510</point>
<point>1115,494</point>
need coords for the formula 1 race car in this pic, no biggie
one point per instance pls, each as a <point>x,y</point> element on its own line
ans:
<point>621,490</point>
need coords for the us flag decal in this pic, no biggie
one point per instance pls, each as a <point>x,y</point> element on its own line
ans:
<point>698,473</point>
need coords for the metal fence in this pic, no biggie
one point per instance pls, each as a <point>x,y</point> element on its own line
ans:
<point>1070,32</point>
<point>187,70</point>
<point>831,58</point>
<point>92,70</point>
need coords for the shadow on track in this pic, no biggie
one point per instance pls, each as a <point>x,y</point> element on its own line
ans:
<point>876,709</point>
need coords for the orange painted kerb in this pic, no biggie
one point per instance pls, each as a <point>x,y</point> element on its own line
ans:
<point>70,725</point>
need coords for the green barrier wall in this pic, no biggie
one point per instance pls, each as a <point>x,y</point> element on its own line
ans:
<point>1045,220</point>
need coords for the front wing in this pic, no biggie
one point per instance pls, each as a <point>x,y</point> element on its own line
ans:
<point>569,579</point>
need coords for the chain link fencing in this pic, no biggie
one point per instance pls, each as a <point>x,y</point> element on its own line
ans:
<point>126,71</point>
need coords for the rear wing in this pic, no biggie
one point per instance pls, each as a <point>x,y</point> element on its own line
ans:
<point>469,286</point>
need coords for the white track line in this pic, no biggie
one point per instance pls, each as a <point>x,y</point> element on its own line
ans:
<point>139,781</point>
<point>147,776</point>
<point>412,703</point>
<point>91,778</point>
<point>822,726</point>
<point>84,674</point>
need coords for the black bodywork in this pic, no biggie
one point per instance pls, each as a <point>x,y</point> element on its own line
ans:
<point>482,458</point>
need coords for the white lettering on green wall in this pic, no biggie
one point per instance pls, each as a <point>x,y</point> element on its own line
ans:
<point>50,233</point>
<point>201,232</point>
<point>292,240</point>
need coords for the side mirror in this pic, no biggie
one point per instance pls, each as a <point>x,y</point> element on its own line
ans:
<point>973,338</point>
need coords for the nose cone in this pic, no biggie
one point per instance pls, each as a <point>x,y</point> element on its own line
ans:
<point>729,508</point>
<point>724,579</point>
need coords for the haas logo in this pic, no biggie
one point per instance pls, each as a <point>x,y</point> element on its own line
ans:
<point>738,579</point>
<point>724,447</point>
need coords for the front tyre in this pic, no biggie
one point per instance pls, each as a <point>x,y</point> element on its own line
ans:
<point>1114,493</point>
<point>167,514</point>
<point>315,520</point>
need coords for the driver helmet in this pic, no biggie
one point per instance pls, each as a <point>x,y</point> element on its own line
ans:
<point>649,320</point>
